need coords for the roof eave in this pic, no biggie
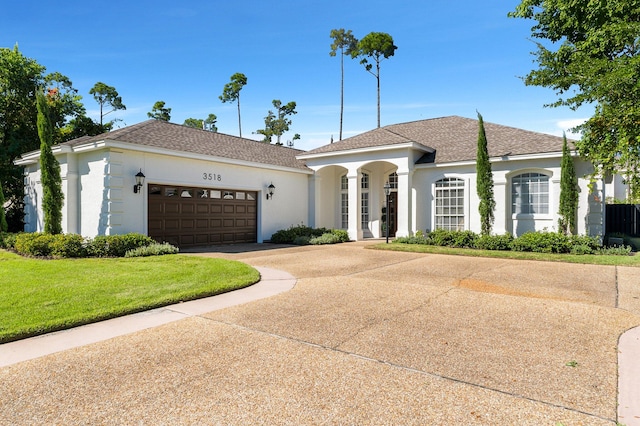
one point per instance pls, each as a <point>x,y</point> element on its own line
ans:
<point>407,145</point>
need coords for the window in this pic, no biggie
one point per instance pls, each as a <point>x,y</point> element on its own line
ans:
<point>393,180</point>
<point>530,194</point>
<point>344,202</point>
<point>449,204</point>
<point>364,201</point>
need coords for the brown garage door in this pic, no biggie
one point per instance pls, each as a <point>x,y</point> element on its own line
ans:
<point>190,216</point>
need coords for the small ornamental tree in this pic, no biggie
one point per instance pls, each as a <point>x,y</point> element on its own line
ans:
<point>50,171</point>
<point>3,220</point>
<point>568,192</point>
<point>484,181</point>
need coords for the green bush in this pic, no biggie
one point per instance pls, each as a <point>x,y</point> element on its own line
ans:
<point>34,244</point>
<point>73,245</point>
<point>303,233</point>
<point>414,239</point>
<point>301,240</point>
<point>343,236</point>
<point>7,240</point>
<point>326,238</point>
<point>542,242</point>
<point>288,236</point>
<point>581,249</point>
<point>155,249</point>
<point>68,245</point>
<point>117,245</point>
<point>494,242</point>
<point>446,238</point>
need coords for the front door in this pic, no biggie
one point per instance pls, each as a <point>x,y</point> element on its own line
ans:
<point>393,214</point>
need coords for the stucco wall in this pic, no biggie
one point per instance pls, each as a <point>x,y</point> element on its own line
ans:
<point>101,187</point>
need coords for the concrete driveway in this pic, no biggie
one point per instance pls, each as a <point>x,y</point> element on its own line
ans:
<point>365,337</point>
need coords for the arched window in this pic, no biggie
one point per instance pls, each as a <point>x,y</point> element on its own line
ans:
<point>364,201</point>
<point>449,198</point>
<point>530,193</point>
<point>344,202</point>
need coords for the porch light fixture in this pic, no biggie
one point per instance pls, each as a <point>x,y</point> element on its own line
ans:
<point>270,190</point>
<point>387,191</point>
<point>139,182</point>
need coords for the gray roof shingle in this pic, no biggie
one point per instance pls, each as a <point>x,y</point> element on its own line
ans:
<point>453,139</point>
<point>161,134</point>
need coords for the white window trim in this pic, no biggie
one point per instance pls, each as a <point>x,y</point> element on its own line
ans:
<point>467,199</point>
<point>530,216</point>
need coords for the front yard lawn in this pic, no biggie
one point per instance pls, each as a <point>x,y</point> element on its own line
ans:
<point>39,296</point>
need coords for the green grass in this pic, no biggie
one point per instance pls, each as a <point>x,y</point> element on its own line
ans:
<point>547,257</point>
<point>39,296</point>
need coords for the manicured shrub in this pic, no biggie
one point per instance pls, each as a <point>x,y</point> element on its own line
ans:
<point>341,234</point>
<point>288,236</point>
<point>581,249</point>
<point>68,245</point>
<point>446,238</point>
<point>117,245</point>
<point>494,242</point>
<point>7,240</point>
<point>326,238</point>
<point>34,244</point>
<point>413,239</point>
<point>542,242</point>
<point>301,240</point>
<point>155,249</point>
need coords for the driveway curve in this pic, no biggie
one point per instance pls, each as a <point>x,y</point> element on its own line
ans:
<point>365,337</point>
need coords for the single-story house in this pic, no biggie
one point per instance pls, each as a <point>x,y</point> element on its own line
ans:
<point>193,187</point>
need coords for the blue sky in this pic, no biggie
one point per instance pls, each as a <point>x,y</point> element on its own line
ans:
<point>453,58</point>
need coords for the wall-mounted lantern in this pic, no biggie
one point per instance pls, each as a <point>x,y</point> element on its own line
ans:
<point>139,182</point>
<point>270,190</point>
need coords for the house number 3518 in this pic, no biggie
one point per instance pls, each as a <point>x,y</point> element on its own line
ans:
<point>211,176</point>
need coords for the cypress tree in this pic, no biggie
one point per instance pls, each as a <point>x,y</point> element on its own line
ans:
<point>50,171</point>
<point>3,219</point>
<point>568,192</point>
<point>484,181</point>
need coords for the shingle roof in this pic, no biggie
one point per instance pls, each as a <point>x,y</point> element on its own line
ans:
<point>161,134</point>
<point>453,139</point>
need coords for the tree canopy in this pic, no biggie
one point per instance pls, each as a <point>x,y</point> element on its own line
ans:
<point>375,47</point>
<point>588,52</point>
<point>106,96</point>
<point>276,124</point>
<point>231,93</point>
<point>160,112</point>
<point>207,124</point>
<point>344,41</point>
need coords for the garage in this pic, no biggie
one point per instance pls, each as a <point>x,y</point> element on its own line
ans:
<point>191,216</point>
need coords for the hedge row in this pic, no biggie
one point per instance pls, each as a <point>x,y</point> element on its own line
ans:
<point>74,246</point>
<point>540,242</point>
<point>303,235</point>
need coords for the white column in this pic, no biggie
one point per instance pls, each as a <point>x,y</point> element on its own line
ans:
<point>355,231</point>
<point>405,203</point>
<point>72,195</point>
<point>315,191</point>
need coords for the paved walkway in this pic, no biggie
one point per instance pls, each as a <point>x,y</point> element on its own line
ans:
<point>364,337</point>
